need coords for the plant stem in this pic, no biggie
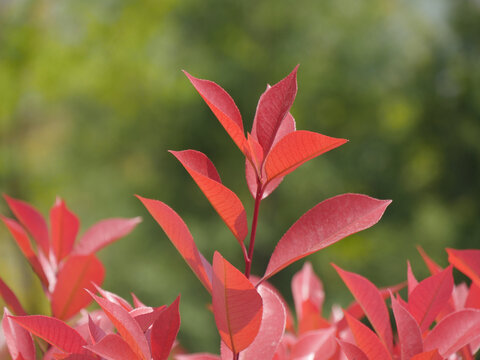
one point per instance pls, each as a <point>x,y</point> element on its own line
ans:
<point>236,356</point>
<point>251,245</point>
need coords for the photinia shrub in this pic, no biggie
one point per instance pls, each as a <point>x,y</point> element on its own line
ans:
<point>435,320</point>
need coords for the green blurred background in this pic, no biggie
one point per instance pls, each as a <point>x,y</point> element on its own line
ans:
<point>92,97</point>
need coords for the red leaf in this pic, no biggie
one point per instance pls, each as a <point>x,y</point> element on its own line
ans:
<point>181,238</point>
<point>237,306</point>
<point>165,330</point>
<point>223,107</point>
<point>323,225</point>
<point>19,341</point>
<point>76,275</point>
<point>367,341</point>
<point>32,220</point>
<point>411,280</point>
<point>351,351</point>
<point>454,332</point>
<point>272,108</point>
<point>64,227</point>
<point>225,202</point>
<point>316,344</point>
<point>53,331</point>
<point>428,355</point>
<point>409,333</point>
<point>112,297</point>
<point>271,330</point>
<point>467,261</point>
<point>126,326</point>
<point>136,301</point>
<point>202,356</point>
<point>113,347</point>
<point>473,298</point>
<point>430,296</point>
<point>23,242</point>
<point>371,301</point>
<point>104,233</point>
<point>433,267</point>
<point>295,149</point>
<point>11,299</point>
<point>146,316</point>
<point>95,332</point>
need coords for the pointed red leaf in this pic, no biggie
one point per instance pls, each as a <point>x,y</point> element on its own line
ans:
<point>473,298</point>
<point>112,297</point>
<point>19,341</point>
<point>433,267</point>
<point>104,233</point>
<point>126,326</point>
<point>307,288</point>
<point>223,106</point>
<point>430,296</point>
<point>367,340</point>
<point>454,332</point>
<point>409,333</point>
<point>32,220</point>
<point>146,316</point>
<point>76,275</point>
<point>136,301</point>
<point>351,351</point>
<point>428,355</point>
<point>271,330</point>
<point>467,261</point>
<point>165,330</point>
<point>95,332</point>
<point>272,108</point>
<point>64,227</point>
<point>53,331</point>
<point>113,347</point>
<point>11,299</point>
<point>181,238</point>
<point>23,242</point>
<point>225,202</point>
<point>323,225</point>
<point>237,306</point>
<point>371,301</point>
<point>316,344</point>
<point>199,356</point>
<point>411,280</point>
<point>295,149</point>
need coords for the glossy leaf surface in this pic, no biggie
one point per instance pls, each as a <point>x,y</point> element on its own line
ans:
<point>237,306</point>
<point>467,261</point>
<point>77,274</point>
<point>409,333</point>
<point>225,202</point>
<point>53,331</point>
<point>295,149</point>
<point>316,344</point>
<point>323,225</point>
<point>64,227</point>
<point>19,341</point>
<point>164,331</point>
<point>113,347</point>
<point>351,351</point>
<point>181,238</point>
<point>104,233</point>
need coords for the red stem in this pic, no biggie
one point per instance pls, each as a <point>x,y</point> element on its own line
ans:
<point>251,245</point>
<point>236,356</point>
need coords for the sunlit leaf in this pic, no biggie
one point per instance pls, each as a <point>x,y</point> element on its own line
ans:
<point>409,334</point>
<point>11,299</point>
<point>19,341</point>
<point>164,331</point>
<point>113,347</point>
<point>64,227</point>
<point>467,261</point>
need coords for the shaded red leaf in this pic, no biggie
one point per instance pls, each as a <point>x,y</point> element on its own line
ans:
<point>32,220</point>
<point>237,306</point>
<point>223,106</point>
<point>146,316</point>
<point>23,242</point>
<point>164,331</point>
<point>454,332</point>
<point>409,334</point>
<point>77,273</point>
<point>181,238</point>
<point>372,303</point>
<point>104,233</point>
<point>428,355</point>
<point>323,225</point>
<point>351,351</point>
<point>225,202</point>
<point>367,340</point>
<point>113,347</point>
<point>272,108</point>
<point>467,261</point>
<point>295,149</point>
<point>126,326</point>
<point>19,341</point>
<point>11,299</point>
<point>316,344</point>
<point>53,331</point>
<point>95,332</point>
<point>64,227</point>
<point>430,296</point>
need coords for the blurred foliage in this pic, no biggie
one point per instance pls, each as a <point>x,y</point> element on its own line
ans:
<point>92,96</point>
